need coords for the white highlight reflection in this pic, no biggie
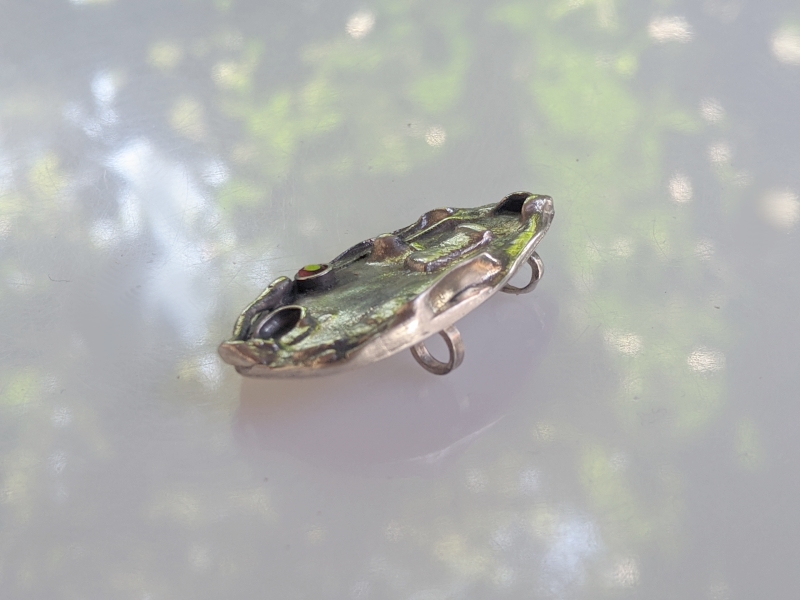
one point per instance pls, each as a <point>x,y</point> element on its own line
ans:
<point>720,153</point>
<point>680,188</point>
<point>622,248</point>
<point>781,208</point>
<point>625,573</point>
<point>162,197</point>
<point>104,90</point>
<point>670,29</point>
<point>706,360</point>
<point>711,110</point>
<point>62,417</point>
<point>215,174</point>
<point>103,233</point>
<point>574,541</point>
<point>786,45</point>
<point>58,461</point>
<point>704,249</point>
<point>435,136</point>
<point>625,343</point>
<point>360,24</point>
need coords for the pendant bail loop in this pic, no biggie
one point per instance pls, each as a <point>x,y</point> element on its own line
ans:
<point>455,345</point>
<point>537,270</point>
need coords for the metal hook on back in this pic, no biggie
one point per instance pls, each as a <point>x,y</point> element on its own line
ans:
<point>452,336</point>
<point>537,270</point>
<point>455,345</point>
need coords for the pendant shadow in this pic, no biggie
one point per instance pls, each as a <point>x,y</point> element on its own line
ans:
<point>393,417</point>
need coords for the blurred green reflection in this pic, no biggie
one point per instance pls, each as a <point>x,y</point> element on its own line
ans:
<point>138,175</point>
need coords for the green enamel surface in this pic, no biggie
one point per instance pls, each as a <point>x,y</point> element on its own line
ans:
<point>373,296</point>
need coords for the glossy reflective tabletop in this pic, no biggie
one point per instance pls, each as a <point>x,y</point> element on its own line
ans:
<point>628,430</point>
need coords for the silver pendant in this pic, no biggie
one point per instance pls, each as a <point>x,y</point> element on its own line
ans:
<point>391,292</point>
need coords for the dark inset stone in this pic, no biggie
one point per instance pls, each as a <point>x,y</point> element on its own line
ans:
<point>278,323</point>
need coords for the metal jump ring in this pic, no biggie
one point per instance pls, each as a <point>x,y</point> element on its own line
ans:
<point>537,270</point>
<point>452,338</point>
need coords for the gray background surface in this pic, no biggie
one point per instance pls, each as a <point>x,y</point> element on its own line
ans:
<point>627,431</point>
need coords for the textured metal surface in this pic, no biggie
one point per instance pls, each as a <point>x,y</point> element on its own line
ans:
<point>390,292</point>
